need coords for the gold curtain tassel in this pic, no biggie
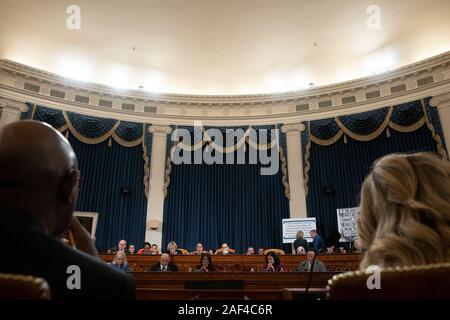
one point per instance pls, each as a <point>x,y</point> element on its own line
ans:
<point>67,134</point>
<point>388,133</point>
<point>345,138</point>
<point>110,142</point>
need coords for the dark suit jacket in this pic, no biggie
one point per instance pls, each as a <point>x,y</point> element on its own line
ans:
<point>319,266</point>
<point>38,254</point>
<point>157,267</point>
<point>317,243</point>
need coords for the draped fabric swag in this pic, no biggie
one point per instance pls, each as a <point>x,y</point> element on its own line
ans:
<point>231,203</point>
<point>338,152</point>
<point>111,155</point>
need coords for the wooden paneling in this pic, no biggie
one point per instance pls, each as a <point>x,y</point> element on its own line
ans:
<point>253,285</point>
<point>244,263</point>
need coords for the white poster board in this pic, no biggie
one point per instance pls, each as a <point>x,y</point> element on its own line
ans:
<point>347,223</point>
<point>291,226</point>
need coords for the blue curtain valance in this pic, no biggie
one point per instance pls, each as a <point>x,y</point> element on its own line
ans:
<point>231,144</point>
<point>51,116</point>
<point>95,130</point>
<point>324,129</point>
<point>407,114</point>
<point>91,127</point>
<point>367,126</point>
<point>364,123</point>
<point>91,130</point>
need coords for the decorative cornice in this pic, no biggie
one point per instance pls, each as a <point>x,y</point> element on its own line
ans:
<point>426,78</point>
<point>441,101</point>
<point>18,106</point>
<point>158,129</point>
<point>293,128</point>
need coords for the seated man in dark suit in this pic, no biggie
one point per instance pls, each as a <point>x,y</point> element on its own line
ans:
<point>164,265</point>
<point>122,247</point>
<point>39,183</point>
<point>305,266</point>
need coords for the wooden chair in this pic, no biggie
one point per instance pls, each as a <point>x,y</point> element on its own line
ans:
<point>276,251</point>
<point>23,287</point>
<point>415,282</point>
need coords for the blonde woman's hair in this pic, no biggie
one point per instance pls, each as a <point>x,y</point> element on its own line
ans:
<point>116,256</point>
<point>299,234</point>
<point>172,244</point>
<point>405,211</point>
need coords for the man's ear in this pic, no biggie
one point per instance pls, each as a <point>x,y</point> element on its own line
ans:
<point>69,186</point>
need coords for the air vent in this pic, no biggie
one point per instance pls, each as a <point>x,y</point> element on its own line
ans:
<point>325,104</point>
<point>399,88</point>
<point>150,109</point>
<point>105,103</point>
<point>128,106</point>
<point>302,107</point>
<point>349,99</point>
<point>31,87</point>
<point>57,94</point>
<point>425,81</point>
<point>373,95</point>
<point>81,99</point>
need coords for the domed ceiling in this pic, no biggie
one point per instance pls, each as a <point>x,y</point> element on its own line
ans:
<point>221,47</point>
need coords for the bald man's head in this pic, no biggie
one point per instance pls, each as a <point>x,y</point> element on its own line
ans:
<point>165,259</point>
<point>38,173</point>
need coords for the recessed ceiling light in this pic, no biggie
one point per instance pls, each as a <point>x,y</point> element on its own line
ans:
<point>153,81</point>
<point>74,68</point>
<point>118,76</point>
<point>379,62</point>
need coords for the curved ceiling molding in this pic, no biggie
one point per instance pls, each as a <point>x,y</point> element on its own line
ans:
<point>426,78</point>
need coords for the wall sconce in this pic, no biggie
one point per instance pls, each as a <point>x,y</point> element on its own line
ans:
<point>153,225</point>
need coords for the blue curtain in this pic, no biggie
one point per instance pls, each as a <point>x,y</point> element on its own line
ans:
<point>224,203</point>
<point>337,171</point>
<point>104,171</point>
<point>106,168</point>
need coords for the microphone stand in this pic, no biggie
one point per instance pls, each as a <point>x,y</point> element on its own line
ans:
<point>305,294</point>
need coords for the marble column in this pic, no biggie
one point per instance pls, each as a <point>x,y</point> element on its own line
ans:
<point>442,102</point>
<point>297,204</point>
<point>11,110</point>
<point>155,206</point>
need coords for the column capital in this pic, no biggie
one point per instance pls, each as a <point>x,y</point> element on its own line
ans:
<point>293,128</point>
<point>13,105</point>
<point>441,100</point>
<point>159,129</point>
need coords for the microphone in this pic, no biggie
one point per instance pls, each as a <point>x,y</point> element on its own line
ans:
<point>330,240</point>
